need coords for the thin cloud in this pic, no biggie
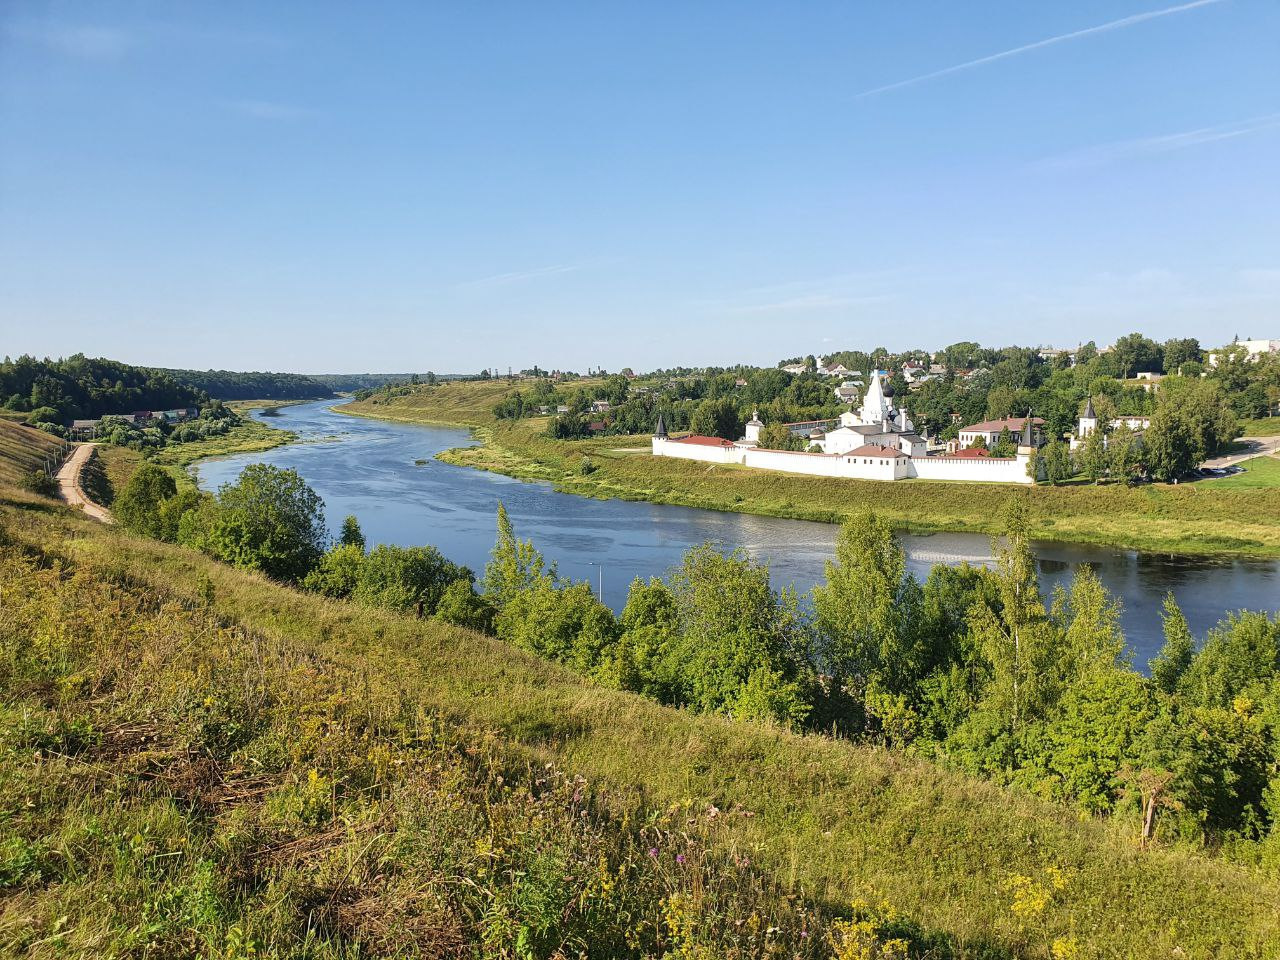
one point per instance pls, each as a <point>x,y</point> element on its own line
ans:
<point>501,279</point>
<point>81,41</point>
<point>1105,153</point>
<point>816,301</point>
<point>1048,42</point>
<point>270,110</point>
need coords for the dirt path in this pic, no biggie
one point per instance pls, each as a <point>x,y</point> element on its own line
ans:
<point>69,483</point>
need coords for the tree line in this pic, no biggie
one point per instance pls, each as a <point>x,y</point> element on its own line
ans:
<point>975,668</point>
<point>78,387</point>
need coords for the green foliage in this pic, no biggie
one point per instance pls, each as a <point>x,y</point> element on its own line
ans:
<point>137,507</point>
<point>351,535</point>
<point>1178,651</point>
<point>237,385</point>
<point>514,566</point>
<point>80,387</point>
<point>268,520</point>
<point>868,612</point>
<point>717,418</point>
<point>38,481</point>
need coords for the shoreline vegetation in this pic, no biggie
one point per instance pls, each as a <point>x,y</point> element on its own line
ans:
<point>1225,517</point>
<point>118,464</point>
<point>281,760</point>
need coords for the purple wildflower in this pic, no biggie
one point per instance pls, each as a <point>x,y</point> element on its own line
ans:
<point>679,858</point>
<point>653,852</point>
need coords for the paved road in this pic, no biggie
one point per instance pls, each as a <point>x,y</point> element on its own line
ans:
<point>1255,447</point>
<point>69,483</point>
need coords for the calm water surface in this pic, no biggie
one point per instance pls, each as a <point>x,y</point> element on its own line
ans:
<point>370,468</point>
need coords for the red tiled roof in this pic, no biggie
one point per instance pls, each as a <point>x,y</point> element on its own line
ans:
<point>1012,424</point>
<point>875,450</point>
<point>970,453</point>
<point>704,441</point>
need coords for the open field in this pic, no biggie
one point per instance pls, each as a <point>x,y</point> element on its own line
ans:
<point>23,450</point>
<point>200,736</point>
<point>467,403</point>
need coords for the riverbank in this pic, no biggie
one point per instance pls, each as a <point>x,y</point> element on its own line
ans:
<point>251,436</point>
<point>1222,519</point>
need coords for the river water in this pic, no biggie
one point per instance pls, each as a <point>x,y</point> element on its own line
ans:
<point>385,474</point>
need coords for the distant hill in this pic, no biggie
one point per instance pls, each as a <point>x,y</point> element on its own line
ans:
<point>253,385</point>
<point>264,385</point>
<point>58,391</point>
<point>351,382</point>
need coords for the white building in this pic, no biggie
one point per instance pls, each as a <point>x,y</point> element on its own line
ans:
<point>1252,348</point>
<point>1088,423</point>
<point>988,432</point>
<point>876,442</point>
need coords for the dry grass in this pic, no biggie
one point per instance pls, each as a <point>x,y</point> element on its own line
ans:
<point>23,450</point>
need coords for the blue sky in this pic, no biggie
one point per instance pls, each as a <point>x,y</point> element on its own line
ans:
<point>386,186</point>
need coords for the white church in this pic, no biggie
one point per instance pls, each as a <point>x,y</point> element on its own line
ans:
<point>876,442</point>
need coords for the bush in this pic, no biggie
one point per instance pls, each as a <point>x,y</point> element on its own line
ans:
<point>37,481</point>
<point>137,507</point>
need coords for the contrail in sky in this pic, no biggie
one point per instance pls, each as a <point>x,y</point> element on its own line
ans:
<point>1026,48</point>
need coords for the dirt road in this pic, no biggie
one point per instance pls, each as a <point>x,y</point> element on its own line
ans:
<point>69,483</point>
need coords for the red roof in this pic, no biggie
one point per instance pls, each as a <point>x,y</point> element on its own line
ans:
<point>704,441</point>
<point>1012,424</point>
<point>970,453</point>
<point>875,450</point>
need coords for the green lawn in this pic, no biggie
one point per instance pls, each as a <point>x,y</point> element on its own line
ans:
<point>1258,472</point>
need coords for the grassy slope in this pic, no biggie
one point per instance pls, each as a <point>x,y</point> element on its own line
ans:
<point>1262,427</point>
<point>23,450</point>
<point>829,817</point>
<point>467,403</point>
<point>1197,518</point>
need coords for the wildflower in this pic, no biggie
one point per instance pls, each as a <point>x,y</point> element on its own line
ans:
<point>653,852</point>
<point>680,858</point>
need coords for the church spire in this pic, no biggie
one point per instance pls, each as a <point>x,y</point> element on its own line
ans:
<point>661,429</point>
<point>1088,410</point>
<point>1027,436</point>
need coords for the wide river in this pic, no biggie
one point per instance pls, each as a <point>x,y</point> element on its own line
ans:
<point>385,474</point>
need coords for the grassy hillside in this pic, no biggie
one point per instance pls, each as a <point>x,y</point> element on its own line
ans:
<point>201,757</point>
<point>463,403</point>
<point>23,450</point>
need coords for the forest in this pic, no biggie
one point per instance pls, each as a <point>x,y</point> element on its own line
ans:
<point>234,385</point>
<point>78,387</point>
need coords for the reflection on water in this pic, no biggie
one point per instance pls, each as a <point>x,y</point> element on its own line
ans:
<point>383,473</point>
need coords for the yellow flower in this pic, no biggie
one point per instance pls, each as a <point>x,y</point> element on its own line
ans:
<point>1065,948</point>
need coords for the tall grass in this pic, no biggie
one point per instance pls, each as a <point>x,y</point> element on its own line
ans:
<point>198,662</point>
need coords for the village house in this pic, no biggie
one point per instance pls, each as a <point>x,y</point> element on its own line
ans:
<point>987,433</point>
